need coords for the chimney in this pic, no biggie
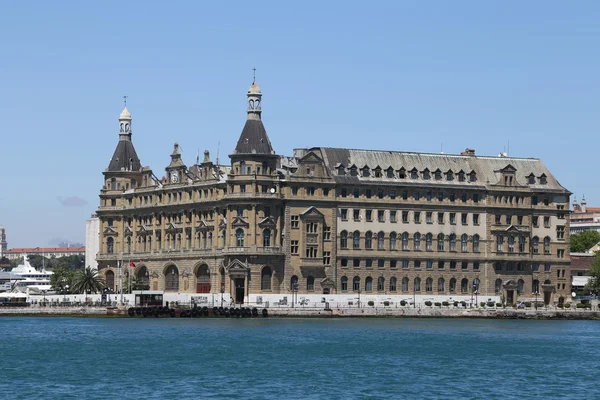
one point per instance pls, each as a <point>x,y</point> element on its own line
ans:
<point>468,152</point>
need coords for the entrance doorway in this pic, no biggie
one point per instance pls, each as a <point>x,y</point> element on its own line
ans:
<point>510,296</point>
<point>326,291</point>
<point>239,290</point>
<point>547,297</point>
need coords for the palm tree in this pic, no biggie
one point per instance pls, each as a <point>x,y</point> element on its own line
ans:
<point>87,280</point>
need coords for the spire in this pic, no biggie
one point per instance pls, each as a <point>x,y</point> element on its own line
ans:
<point>125,157</point>
<point>254,139</point>
<point>176,157</point>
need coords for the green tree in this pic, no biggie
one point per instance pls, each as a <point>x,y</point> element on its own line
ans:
<point>14,263</point>
<point>583,241</point>
<point>87,281</point>
<point>62,279</point>
<point>593,284</point>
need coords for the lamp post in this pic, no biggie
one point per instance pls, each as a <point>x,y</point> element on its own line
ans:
<point>65,293</point>
<point>536,295</point>
<point>414,296</point>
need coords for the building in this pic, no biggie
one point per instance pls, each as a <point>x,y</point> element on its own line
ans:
<point>584,218</point>
<point>3,242</point>
<point>92,241</point>
<point>335,221</point>
<point>47,252</point>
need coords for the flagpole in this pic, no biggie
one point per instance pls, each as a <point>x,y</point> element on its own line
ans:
<point>130,276</point>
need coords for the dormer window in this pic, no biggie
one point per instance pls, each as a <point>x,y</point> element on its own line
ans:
<point>426,174</point>
<point>543,179</point>
<point>366,172</point>
<point>414,174</point>
<point>438,175</point>
<point>378,172</point>
<point>461,176</point>
<point>401,173</point>
<point>449,175</point>
<point>472,176</point>
<point>353,171</point>
<point>390,172</point>
<point>531,179</point>
<point>340,170</point>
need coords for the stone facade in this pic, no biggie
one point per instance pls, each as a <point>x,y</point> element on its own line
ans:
<point>335,221</point>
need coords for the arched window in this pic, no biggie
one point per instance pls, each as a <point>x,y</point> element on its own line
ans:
<point>417,242</point>
<point>294,283</point>
<point>265,279</point>
<point>464,285</point>
<point>440,242</point>
<point>380,241</point>
<point>343,239</point>
<point>476,243</point>
<point>344,283</point>
<point>310,284</point>
<point>547,245</point>
<point>534,244</point>
<point>441,285</point>
<point>369,284</point>
<point>405,241</point>
<point>356,240</point>
<point>239,237</point>
<point>535,286</point>
<point>267,238</point>
<point>405,284</point>
<point>203,279</point>
<point>393,241</point>
<point>110,245</point>
<point>356,284</point>
<point>380,284</point>
<point>498,285</point>
<point>242,167</point>
<point>369,240</point>
<point>520,286</point>
<point>417,284</point>
<point>172,279</point>
<point>452,240</point>
<point>452,287</point>
<point>429,242</point>
<point>429,285</point>
<point>463,242</point>
<point>142,279</point>
<point>110,280</point>
<point>393,284</point>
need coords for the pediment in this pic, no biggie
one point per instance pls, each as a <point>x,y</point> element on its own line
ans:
<point>128,231</point>
<point>203,226</point>
<point>236,266</point>
<point>171,227</point>
<point>268,222</point>
<point>311,157</point>
<point>327,283</point>
<point>143,230</point>
<point>312,212</point>
<point>239,222</point>
<point>513,229</point>
<point>110,231</point>
<point>508,168</point>
<point>222,225</point>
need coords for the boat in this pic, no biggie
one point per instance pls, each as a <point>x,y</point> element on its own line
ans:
<point>31,280</point>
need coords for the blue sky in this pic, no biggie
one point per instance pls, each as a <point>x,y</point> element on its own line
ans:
<point>401,75</point>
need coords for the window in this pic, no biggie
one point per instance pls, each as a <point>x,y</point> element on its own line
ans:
<point>369,215</point>
<point>344,214</point>
<point>392,216</point>
<point>511,244</point>
<point>499,244</point>
<point>428,217</point>
<point>476,243</point>
<point>463,242</point>
<point>560,232</point>
<point>535,286</point>
<point>310,284</point>
<point>265,279</point>
<point>534,244</point>
<point>393,241</point>
<point>546,245</point>
<point>417,264</point>
<point>498,285</point>
<point>380,241</point>
<point>326,258</point>
<point>521,244</point>
<point>560,253</point>
<point>498,216</point>
<point>327,233</point>
<point>417,216</point>
<point>390,172</point>
<point>453,265</point>
<point>405,195</point>
<point>428,242</point>
<point>295,221</point>
<point>393,284</point>
<point>356,284</point>
<point>369,284</point>
<point>440,287</point>
<point>463,218</point>
<point>417,242</point>
<point>380,263</point>
<point>380,215</point>
<point>508,219</point>
<point>369,240</point>
<point>405,216</point>
<point>417,284</point>
<point>392,194</point>
<point>405,241</point>
<point>368,193</point>
<point>356,263</point>
<point>380,284</point>
<point>356,193</point>
<point>311,252</point>
<point>344,283</point>
<point>475,219</point>
<point>547,222</point>
<point>380,194</point>
<point>429,264</point>
<point>452,285</point>
<point>344,262</point>
<point>393,264</point>
<point>476,266</point>
<point>110,245</point>
<point>535,221</point>
<point>368,263</point>
<point>295,191</point>
<point>546,267</point>
<point>356,240</point>
<point>356,214</point>
<point>343,239</point>
<point>343,192</point>
<point>429,285</point>
<point>440,218</point>
<point>405,284</point>
<point>475,198</point>
<point>267,238</point>
<point>404,264</point>
<point>464,285</point>
<point>440,242</point>
<point>452,218</point>
<point>452,240</point>
<point>239,237</point>
<point>310,191</point>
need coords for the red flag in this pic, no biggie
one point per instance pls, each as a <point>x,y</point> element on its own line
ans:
<point>131,264</point>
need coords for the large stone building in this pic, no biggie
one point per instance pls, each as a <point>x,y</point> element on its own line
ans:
<point>335,221</point>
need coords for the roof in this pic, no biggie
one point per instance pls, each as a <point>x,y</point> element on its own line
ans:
<point>39,250</point>
<point>125,114</point>
<point>582,261</point>
<point>254,139</point>
<point>125,158</point>
<point>487,169</point>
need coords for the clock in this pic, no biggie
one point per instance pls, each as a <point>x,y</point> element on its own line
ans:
<point>174,177</point>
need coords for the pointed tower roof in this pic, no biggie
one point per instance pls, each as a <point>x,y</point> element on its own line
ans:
<point>254,138</point>
<point>125,157</point>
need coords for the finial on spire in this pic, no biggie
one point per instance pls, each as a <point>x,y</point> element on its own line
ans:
<point>125,100</point>
<point>254,74</point>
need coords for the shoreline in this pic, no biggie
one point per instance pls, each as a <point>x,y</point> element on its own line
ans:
<point>386,312</point>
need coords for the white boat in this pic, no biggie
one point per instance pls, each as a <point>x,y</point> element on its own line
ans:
<point>33,281</point>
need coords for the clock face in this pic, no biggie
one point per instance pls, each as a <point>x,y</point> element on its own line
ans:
<point>174,177</point>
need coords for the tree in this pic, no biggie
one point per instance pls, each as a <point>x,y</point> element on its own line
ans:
<point>583,241</point>
<point>87,280</point>
<point>593,285</point>
<point>62,279</point>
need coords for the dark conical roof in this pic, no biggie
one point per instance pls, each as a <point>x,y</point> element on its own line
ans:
<point>125,158</point>
<point>254,139</point>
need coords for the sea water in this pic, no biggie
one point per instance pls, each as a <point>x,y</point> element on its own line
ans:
<point>269,358</point>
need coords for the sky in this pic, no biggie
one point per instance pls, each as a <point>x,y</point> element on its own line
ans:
<point>423,76</point>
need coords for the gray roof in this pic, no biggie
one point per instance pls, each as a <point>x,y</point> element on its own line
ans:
<point>125,158</point>
<point>254,139</point>
<point>486,168</point>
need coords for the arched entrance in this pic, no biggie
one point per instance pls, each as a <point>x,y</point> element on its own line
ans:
<point>142,281</point>
<point>203,279</point>
<point>110,280</point>
<point>172,279</point>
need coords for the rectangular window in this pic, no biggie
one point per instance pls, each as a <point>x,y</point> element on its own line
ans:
<point>534,200</point>
<point>380,215</point>
<point>393,264</point>
<point>356,193</point>
<point>326,258</point>
<point>405,216</point>
<point>310,191</point>
<point>463,218</point>
<point>519,220</point>
<point>343,192</point>
<point>404,264</point>
<point>428,196</point>
<point>417,264</point>
<point>417,215</point>
<point>405,195</point>
<point>392,216</point>
<point>368,193</point>
<point>380,264</point>
<point>476,266</point>
<point>535,267</point>
<point>369,263</point>
<point>326,192</point>
<point>452,197</point>
<point>560,253</point>
<point>392,194</point>
<point>535,221</point>
<point>417,196</point>
<point>369,215</point>
<point>327,233</point>
<point>294,247</point>
<point>356,214</point>
<point>546,267</point>
<point>356,263</point>
<point>428,216</point>
<point>452,218</point>
<point>475,219</point>
<point>546,222</point>
<point>452,265</point>
<point>498,217</point>
<point>440,265</point>
<point>344,262</point>
<point>429,264</point>
<point>440,196</point>
<point>560,232</point>
<point>380,194</point>
<point>311,252</point>
<point>508,219</point>
<point>344,214</point>
<point>475,198</point>
<point>295,222</point>
<point>440,218</point>
<point>295,191</point>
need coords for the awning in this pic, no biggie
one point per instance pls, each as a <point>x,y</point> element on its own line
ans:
<point>580,280</point>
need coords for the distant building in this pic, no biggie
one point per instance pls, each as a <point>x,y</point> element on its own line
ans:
<point>580,269</point>
<point>92,241</point>
<point>44,251</point>
<point>3,243</point>
<point>584,218</point>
